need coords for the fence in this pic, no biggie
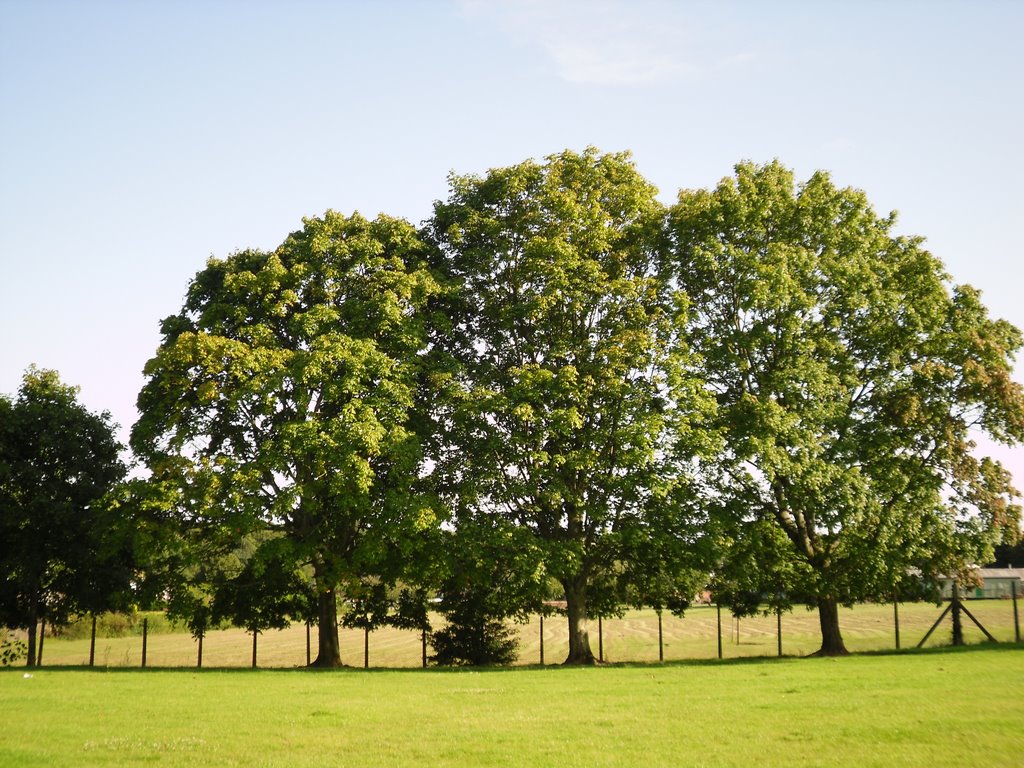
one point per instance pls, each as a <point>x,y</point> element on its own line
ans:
<point>638,636</point>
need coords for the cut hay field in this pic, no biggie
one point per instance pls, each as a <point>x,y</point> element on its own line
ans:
<point>633,638</point>
<point>934,708</point>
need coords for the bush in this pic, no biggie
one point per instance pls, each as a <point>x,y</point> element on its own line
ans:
<point>472,636</point>
<point>118,625</point>
<point>12,650</point>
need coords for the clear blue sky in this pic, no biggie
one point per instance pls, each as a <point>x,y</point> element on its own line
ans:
<point>139,138</point>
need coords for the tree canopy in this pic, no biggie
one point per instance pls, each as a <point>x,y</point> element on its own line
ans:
<point>762,388</point>
<point>65,548</point>
<point>569,398</point>
<point>851,378</point>
<point>280,396</point>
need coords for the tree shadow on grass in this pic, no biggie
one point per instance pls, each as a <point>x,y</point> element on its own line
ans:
<point>986,647</point>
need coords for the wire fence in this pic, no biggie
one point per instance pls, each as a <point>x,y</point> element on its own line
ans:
<point>704,632</point>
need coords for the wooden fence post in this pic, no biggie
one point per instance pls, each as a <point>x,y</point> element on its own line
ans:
<point>42,634</point>
<point>778,627</point>
<point>958,627</point>
<point>718,610</point>
<point>255,632</point>
<point>542,639</point>
<point>366,647</point>
<point>1016,620</point>
<point>307,643</point>
<point>92,642</point>
<point>896,617</point>
<point>600,640</point>
<point>145,639</point>
<point>661,639</point>
<point>199,655</point>
<point>423,638</point>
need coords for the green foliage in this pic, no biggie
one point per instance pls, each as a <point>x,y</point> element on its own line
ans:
<point>669,567</point>
<point>375,604</point>
<point>559,380</point>
<point>12,650</point>
<point>65,547</point>
<point>564,395</point>
<point>267,591</point>
<point>494,572</point>
<point>1009,555</point>
<point>758,573</point>
<point>119,624</point>
<point>280,398</point>
<point>849,376</point>
<point>473,635</point>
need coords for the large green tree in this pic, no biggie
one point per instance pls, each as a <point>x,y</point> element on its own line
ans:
<point>65,548</point>
<point>280,396</point>
<point>566,387</point>
<point>851,376</point>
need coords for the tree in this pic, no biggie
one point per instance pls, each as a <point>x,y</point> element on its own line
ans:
<point>757,573</point>
<point>850,377</point>
<point>65,548</point>
<point>563,391</point>
<point>267,592</point>
<point>473,634</point>
<point>670,569</point>
<point>182,556</point>
<point>383,602</point>
<point>493,574</point>
<point>279,400</point>
<point>1009,555</point>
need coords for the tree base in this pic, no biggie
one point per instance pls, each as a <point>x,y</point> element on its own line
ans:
<point>325,663</point>
<point>584,660</point>
<point>830,652</point>
<point>831,636</point>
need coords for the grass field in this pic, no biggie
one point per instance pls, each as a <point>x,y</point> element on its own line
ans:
<point>633,638</point>
<point>934,708</point>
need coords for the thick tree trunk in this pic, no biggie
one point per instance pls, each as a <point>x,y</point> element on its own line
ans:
<point>579,638</point>
<point>328,646</point>
<point>831,638</point>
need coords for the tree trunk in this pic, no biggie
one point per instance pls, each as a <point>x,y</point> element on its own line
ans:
<point>42,636</point>
<point>831,638</point>
<point>92,642</point>
<point>579,638</point>
<point>328,646</point>
<point>33,626</point>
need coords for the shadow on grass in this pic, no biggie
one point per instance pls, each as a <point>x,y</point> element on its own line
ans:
<point>987,647</point>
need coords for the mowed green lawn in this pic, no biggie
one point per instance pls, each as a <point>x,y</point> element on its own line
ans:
<point>631,638</point>
<point>931,708</point>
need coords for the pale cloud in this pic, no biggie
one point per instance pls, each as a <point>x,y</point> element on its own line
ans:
<point>608,42</point>
<point>612,64</point>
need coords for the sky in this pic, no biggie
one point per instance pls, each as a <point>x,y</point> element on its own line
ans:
<point>138,139</point>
